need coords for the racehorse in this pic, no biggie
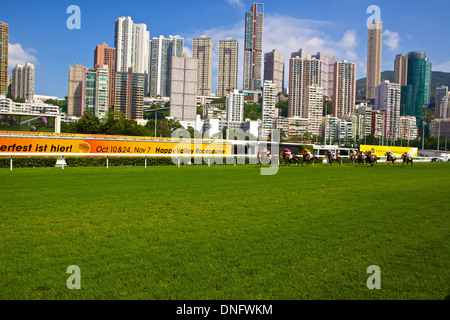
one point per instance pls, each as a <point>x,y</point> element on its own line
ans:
<point>390,158</point>
<point>330,158</point>
<point>361,157</point>
<point>287,159</point>
<point>263,158</point>
<point>307,158</point>
<point>371,158</point>
<point>407,158</point>
<point>353,158</point>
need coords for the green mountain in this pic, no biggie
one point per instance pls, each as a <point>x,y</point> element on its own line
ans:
<point>438,78</point>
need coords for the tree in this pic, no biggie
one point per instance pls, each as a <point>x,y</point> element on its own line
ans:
<point>88,123</point>
<point>252,111</point>
<point>283,108</point>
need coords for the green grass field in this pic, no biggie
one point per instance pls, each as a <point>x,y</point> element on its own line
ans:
<point>226,232</point>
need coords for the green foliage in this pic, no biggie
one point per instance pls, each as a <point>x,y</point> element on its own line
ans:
<point>118,162</point>
<point>28,162</point>
<point>88,123</point>
<point>283,108</point>
<point>115,123</point>
<point>252,111</point>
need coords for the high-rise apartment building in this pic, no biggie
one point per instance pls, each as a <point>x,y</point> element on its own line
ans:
<point>314,109</point>
<point>416,94</point>
<point>374,46</point>
<point>253,47</point>
<point>303,72</point>
<point>401,70</point>
<point>408,127</point>
<point>96,91</point>
<point>4,43</point>
<point>104,55</point>
<point>327,72</point>
<point>88,90</point>
<point>441,92</point>
<point>183,88</point>
<point>130,94</point>
<point>344,92</point>
<point>235,106</point>
<point>268,108</point>
<point>132,43</point>
<point>378,123</point>
<point>364,112</point>
<point>388,96</point>
<point>202,50</point>
<point>76,92</point>
<point>274,62</point>
<point>228,66</point>
<point>22,85</point>
<point>162,51</point>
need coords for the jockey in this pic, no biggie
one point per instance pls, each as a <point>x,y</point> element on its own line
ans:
<point>266,151</point>
<point>288,152</point>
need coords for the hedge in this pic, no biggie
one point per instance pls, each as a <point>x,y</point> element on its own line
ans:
<point>28,162</point>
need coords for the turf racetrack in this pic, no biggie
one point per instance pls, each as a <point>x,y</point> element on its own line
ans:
<point>226,232</point>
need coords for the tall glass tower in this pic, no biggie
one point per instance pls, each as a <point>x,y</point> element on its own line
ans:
<point>416,94</point>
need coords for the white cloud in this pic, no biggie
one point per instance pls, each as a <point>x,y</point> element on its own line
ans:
<point>393,39</point>
<point>188,51</point>
<point>238,3</point>
<point>19,55</point>
<point>287,35</point>
<point>444,67</point>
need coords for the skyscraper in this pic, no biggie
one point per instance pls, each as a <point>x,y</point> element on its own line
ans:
<point>253,47</point>
<point>274,69</point>
<point>314,108</point>
<point>202,50</point>
<point>88,90</point>
<point>303,72</point>
<point>76,92</point>
<point>4,42</point>
<point>130,94</point>
<point>235,106</point>
<point>401,70</point>
<point>374,46</point>
<point>132,46</point>
<point>22,85</point>
<point>344,92</point>
<point>96,91</point>
<point>388,98</point>
<point>105,55</point>
<point>268,108</point>
<point>183,88</point>
<point>163,49</point>
<point>327,72</point>
<point>441,92</point>
<point>416,94</point>
<point>228,66</point>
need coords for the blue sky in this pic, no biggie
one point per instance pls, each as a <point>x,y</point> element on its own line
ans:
<point>38,31</point>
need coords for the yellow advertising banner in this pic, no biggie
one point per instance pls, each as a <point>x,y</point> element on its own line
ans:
<point>380,151</point>
<point>75,146</point>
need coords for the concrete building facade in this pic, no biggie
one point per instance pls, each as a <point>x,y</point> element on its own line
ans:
<point>22,85</point>
<point>183,88</point>
<point>253,47</point>
<point>202,50</point>
<point>344,89</point>
<point>374,49</point>
<point>4,44</point>
<point>228,66</point>
<point>274,65</point>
